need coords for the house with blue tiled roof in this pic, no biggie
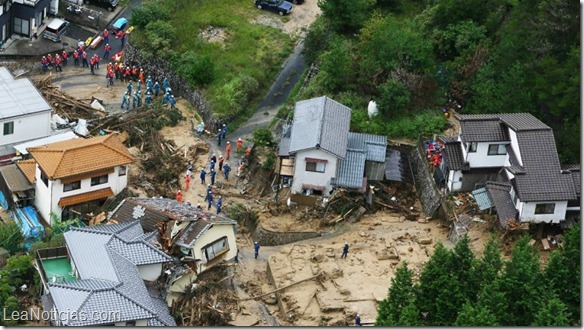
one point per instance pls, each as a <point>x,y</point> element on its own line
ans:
<point>105,275</point>
<point>318,153</point>
<point>513,156</point>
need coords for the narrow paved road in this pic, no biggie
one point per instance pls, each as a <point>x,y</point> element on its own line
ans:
<point>267,109</point>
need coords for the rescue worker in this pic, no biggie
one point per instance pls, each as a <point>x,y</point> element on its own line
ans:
<point>219,204</point>
<point>221,159</point>
<point>107,48</point>
<point>110,76</point>
<point>156,89</point>
<point>106,37</point>
<point>148,99</point>
<point>64,58</point>
<point>76,58</point>
<point>84,59</point>
<point>226,170</point>
<point>172,102</point>
<point>239,144</point>
<point>203,175</point>
<point>125,101</point>
<point>228,150</point>
<point>130,87</point>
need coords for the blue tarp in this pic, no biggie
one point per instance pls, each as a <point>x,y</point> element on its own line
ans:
<point>30,227</point>
<point>3,201</point>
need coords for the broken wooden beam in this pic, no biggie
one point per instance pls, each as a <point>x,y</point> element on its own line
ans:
<point>282,288</point>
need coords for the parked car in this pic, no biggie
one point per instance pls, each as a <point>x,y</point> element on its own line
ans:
<point>109,4</point>
<point>282,7</point>
<point>56,29</point>
<point>119,24</point>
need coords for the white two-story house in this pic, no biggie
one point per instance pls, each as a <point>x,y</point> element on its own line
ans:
<point>324,154</point>
<point>24,114</point>
<point>78,174</point>
<point>514,155</point>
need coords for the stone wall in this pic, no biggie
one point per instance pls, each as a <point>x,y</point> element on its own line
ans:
<point>428,192</point>
<point>159,69</point>
<point>271,238</point>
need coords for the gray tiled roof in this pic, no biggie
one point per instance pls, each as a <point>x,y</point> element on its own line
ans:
<point>375,145</point>
<point>19,97</point>
<point>453,154</point>
<point>516,169</point>
<point>482,128</point>
<point>195,230</point>
<point>543,180</point>
<point>320,122</point>
<point>107,257</point>
<point>522,121</point>
<point>159,304</point>
<point>128,210</point>
<point>501,198</point>
<point>351,170</point>
<point>576,176</point>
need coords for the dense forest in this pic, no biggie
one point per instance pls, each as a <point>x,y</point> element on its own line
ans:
<point>457,289</point>
<point>477,56</point>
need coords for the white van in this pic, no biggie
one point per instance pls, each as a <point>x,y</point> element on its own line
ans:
<point>56,29</point>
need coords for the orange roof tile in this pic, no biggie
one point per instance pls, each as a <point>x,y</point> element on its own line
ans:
<point>85,197</point>
<point>78,156</point>
<point>28,168</point>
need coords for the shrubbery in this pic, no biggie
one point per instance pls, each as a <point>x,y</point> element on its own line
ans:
<point>237,93</point>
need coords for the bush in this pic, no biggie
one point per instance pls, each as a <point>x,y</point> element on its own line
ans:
<point>394,98</point>
<point>238,92</point>
<point>197,70</point>
<point>11,237</point>
<point>159,37</point>
<point>269,163</point>
<point>149,12</point>
<point>263,137</point>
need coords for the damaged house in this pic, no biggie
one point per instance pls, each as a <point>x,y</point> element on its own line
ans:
<point>199,238</point>
<point>107,275</point>
<point>318,153</point>
<point>514,159</point>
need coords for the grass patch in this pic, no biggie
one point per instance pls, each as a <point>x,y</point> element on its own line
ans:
<point>250,49</point>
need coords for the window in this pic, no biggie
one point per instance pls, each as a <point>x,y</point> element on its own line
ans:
<point>472,147</point>
<point>547,208</point>
<point>497,149</point>
<point>72,186</point>
<point>315,167</point>
<point>215,249</point>
<point>131,323</point>
<point>44,178</point>
<point>99,180</point>
<point>122,171</point>
<point>9,128</point>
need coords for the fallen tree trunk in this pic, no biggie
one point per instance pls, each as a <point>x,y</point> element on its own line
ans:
<point>282,288</point>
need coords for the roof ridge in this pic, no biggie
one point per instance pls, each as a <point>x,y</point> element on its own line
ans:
<point>115,149</point>
<point>321,126</point>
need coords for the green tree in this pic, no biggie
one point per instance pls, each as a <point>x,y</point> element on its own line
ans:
<point>457,39</point>
<point>20,268</point>
<point>409,316</point>
<point>439,294</point>
<point>522,284</point>
<point>198,70</point>
<point>552,313</point>
<point>401,294</point>
<point>11,304</point>
<point>10,237</point>
<point>238,92</point>
<point>394,98</point>
<point>480,316</point>
<point>486,270</point>
<point>317,39</point>
<point>562,268</point>
<point>263,137</point>
<point>461,266</point>
<point>346,16</point>
<point>338,65</point>
<point>150,11</point>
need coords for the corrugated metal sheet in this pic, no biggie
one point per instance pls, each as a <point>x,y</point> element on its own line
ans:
<point>375,145</point>
<point>351,169</point>
<point>397,166</point>
<point>482,198</point>
<point>19,97</point>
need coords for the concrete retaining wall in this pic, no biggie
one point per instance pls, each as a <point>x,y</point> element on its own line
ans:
<point>271,238</point>
<point>428,192</point>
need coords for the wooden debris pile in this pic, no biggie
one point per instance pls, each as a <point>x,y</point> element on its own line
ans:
<point>209,302</point>
<point>65,105</point>
<point>465,203</point>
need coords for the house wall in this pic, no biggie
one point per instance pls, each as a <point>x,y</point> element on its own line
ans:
<point>5,27</point>
<point>150,272</point>
<point>480,158</point>
<point>212,234</point>
<point>115,182</point>
<point>26,128</point>
<point>527,213</point>
<point>454,182</point>
<point>301,176</point>
<point>515,145</point>
<point>42,198</point>
<point>179,286</point>
<point>31,13</point>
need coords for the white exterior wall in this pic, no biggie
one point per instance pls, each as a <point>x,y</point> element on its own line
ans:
<point>527,212</point>
<point>515,146</point>
<point>30,127</point>
<point>42,198</point>
<point>115,182</point>
<point>150,272</point>
<point>301,176</point>
<point>212,234</point>
<point>480,158</point>
<point>454,180</point>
